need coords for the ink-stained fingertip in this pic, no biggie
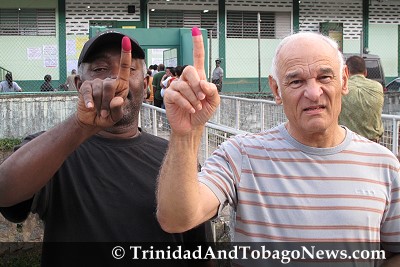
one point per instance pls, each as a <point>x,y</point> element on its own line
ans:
<point>126,44</point>
<point>196,31</point>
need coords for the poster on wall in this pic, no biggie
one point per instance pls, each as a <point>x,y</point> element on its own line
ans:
<point>71,47</point>
<point>80,41</point>
<point>34,53</point>
<point>50,56</point>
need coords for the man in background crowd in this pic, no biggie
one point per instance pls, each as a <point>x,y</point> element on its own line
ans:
<point>218,75</point>
<point>158,99</point>
<point>9,85</point>
<point>71,81</point>
<point>362,106</point>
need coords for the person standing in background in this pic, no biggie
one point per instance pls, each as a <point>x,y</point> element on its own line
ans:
<point>165,80</point>
<point>9,85</point>
<point>71,81</point>
<point>46,85</point>
<point>154,69</point>
<point>158,100</point>
<point>150,93</point>
<point>217,75</point>
<point>362,106</point>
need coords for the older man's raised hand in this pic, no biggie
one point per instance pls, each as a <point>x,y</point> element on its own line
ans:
<point>192,100</point>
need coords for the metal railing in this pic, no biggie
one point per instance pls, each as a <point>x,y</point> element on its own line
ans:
<point>239,115</point>
<point>153,120</point>
<point>255,115</point>
<point>25,113</point>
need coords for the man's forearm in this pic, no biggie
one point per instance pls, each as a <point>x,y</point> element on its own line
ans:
<point>178,187</point>
<point>31,166</point>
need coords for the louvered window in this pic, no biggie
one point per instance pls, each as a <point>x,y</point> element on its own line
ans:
<point>36,22</point>
<point>243,24</point>
<point>183,19</point>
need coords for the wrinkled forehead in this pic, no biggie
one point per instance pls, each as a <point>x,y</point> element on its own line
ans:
<point>307,52</point>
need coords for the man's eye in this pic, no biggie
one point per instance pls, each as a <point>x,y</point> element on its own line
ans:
<point>99,69</point>
<point>325,79</point>
<point>295,83</point>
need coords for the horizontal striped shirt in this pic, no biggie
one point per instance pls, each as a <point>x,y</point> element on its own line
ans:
<point>283,190</point>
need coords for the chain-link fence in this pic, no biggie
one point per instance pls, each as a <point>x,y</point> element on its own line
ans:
<point>255,115</point>
<point>23,114</point>
<point>30,57</point>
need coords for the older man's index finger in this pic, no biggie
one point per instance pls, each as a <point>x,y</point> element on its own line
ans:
<point>198,52</point>
<point>126,61</point>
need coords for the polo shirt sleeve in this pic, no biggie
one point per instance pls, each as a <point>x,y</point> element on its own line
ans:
<point>221,172</point>
<point>390,230</point>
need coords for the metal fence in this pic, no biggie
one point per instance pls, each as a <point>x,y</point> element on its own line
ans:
<point>255,115</point>
<point>238,115</point>
<point>25,113</point>
<point>153,120</point>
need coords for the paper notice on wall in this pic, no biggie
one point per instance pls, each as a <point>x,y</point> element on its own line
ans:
<point>34,53</point>
<point>80,42</point>
<point>50,56</point>
<point>71,47</point>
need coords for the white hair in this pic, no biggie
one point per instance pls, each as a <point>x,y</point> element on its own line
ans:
<point>298,35</point>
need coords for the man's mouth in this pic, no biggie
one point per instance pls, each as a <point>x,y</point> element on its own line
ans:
<point>314,108</point>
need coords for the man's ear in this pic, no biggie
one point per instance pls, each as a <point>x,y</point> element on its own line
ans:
<point>275,90</point>
<point>78,82</point>
<point>345,80</point>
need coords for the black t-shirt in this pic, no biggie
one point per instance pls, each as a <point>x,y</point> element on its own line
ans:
<point>103,192</point>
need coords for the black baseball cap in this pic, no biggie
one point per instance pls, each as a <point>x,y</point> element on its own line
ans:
<point>98,41</point>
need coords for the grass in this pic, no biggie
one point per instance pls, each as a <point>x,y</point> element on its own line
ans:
<point>7,144</point>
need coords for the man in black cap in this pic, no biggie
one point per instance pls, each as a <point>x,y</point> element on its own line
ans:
<point>92,177</point>
<point>218,75</point>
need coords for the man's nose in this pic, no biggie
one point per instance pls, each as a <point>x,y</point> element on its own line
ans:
<point>313,90</point>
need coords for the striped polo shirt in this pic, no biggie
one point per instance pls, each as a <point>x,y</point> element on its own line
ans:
<point>283,190</point>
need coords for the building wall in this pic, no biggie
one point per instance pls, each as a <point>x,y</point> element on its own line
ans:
<point>244,65</point>
<point>15,52</point>
<point>241,54</point>
<point>79,13</point>
<point>384,18</point>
